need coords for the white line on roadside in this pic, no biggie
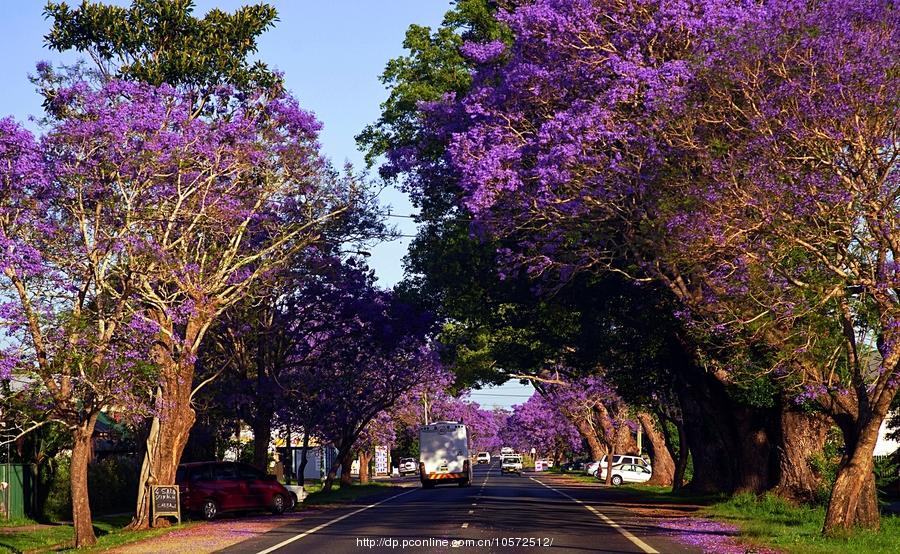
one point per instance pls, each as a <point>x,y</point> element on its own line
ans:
<point>329,523</point>
<point>625,532</point>
<point>465,525</point>
<point>471,511</point>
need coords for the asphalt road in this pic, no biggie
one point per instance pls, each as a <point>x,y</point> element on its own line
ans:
<point>498,513</point>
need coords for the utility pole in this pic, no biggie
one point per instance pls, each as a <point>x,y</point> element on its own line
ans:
<point>425,405</point>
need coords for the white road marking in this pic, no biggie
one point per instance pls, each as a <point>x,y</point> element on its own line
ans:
<point>471,511</point>
<point>625,532</point>
<point>465,525</point>
<point>330,523</point>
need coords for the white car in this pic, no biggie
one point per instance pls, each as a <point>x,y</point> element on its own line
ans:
<point>593,467</point>
<point>627,473</point>
<point>408,466</point>
<point>483,458</point>
<point>511,463</point>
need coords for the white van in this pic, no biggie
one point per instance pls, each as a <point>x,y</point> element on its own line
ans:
<point>444,454</point>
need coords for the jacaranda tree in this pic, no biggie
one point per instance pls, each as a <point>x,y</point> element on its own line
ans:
<point>71,329</point>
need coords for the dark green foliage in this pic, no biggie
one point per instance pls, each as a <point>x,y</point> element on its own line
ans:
<point>160,41</point>
<point>112,485</point>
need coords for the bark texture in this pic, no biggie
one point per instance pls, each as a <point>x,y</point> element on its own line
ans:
<point>364,458</point>
<point>854,502</point>
<point>803,435</point>
<point>78,481</point>
<point>660,458</point>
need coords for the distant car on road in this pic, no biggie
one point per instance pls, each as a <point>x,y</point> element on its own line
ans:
<point>484,458</point>
<point>511,463</point>
<point>407,466</point>
<point>210,488</point>
<point>627,473</point>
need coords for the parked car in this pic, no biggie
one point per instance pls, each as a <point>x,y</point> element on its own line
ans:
<point>211,488</point>
<point>408,466</point>
<point>592,468</point>
<point>577,465</point>
<point>483,458</point>
<point>627,473</point>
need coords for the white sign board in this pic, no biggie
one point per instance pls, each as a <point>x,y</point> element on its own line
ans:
<point>381,460</point>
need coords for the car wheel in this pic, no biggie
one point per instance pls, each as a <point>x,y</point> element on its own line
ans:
<point>210,509</point>
<point>279,504</point>
<point>617,480</point>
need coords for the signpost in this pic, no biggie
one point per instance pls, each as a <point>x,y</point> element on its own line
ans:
<point>165,501</point>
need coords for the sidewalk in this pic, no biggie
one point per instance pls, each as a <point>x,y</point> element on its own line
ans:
<point>211,536</point>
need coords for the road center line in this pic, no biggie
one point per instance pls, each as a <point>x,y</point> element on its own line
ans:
<point>330,523</point>
<point>625,532</point>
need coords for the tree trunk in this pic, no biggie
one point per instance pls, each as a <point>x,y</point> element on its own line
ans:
<point>262,435</point>
<point>346,465</point>
<point>660,458</point>
<point>709,432</point>
<point>168,436</point>
<point>303,459</point>
<point>78,482</point>
<point>364,458</point>
<point>329,477</point>
<point>682,460</point>
<point>587,433</point>
<point>751,426</point>
<point>624,439</point>
<point>174,415</point>
<point>802,436</point>
<point>854,502</point>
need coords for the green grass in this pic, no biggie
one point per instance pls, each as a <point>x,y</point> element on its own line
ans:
<point>772,521</point>
<point>659,493</point>
<point>29,540</point>
<point>17,522</point>
<point>107,528</point>
<point>343,494</point>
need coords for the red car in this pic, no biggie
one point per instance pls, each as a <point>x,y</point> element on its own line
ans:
<point>210,488</point>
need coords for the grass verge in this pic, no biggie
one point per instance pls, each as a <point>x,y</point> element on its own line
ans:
<point>109,531</point>
<point>774,522</point>
<point>343,494</point>
<point>770,521</point>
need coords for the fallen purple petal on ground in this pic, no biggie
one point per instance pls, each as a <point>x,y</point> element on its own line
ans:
<point>710,536</point>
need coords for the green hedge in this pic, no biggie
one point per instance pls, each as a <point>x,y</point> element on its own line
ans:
<point>112,485</point>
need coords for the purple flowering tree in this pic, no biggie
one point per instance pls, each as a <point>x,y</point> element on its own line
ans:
<point>68,322</point>
<point>483,425</point>
<point>540,425</point>
<point>380,431</point>
<point>357,350</point>
<point>597,412</point>
<point>798,211</point>
<point>579,153</point>
<point>209,205</point>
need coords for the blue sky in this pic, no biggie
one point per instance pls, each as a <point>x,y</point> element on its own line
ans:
<point>331,53</point>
